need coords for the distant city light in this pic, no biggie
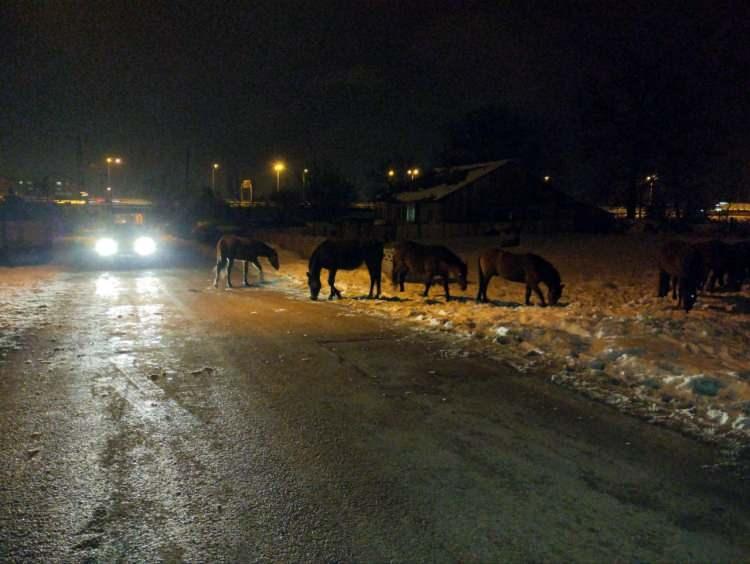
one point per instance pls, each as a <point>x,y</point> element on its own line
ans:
<point>547,178</point>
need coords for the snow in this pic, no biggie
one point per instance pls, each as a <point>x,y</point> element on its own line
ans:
<point>610,337</point>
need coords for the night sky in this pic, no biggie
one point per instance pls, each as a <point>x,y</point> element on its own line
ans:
<point>350,82</point>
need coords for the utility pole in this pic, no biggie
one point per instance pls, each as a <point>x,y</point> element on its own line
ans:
<point>79,163</point>
<point>187,171</point>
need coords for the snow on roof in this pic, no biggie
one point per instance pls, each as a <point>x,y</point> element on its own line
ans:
<point>473,173</point>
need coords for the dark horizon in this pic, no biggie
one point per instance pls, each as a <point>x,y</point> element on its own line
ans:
<point>349,83</point>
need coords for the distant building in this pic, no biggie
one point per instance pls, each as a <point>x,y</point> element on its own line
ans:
<point>479,196</point>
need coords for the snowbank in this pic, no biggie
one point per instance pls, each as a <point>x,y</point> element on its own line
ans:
<point>610,337</point>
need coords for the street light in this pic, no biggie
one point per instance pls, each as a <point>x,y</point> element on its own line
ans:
<point>278,167</point>
<point>111,161</point>
<point>412,173</point>
<point>214,168</point>
<point>547,178</point>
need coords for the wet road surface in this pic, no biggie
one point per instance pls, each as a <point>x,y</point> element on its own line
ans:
<point>145,416</point>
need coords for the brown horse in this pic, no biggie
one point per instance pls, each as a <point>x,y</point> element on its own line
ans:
<point>428,261</point>
<point>528,268</point>
<point>722,263</point>
<point>344,255</point>
<point>682,265</point>
<point>231,248</point>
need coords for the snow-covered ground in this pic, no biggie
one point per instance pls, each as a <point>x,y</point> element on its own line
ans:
<point>610,336</point>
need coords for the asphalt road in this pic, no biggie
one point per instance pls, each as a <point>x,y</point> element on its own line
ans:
<point>145,416</point>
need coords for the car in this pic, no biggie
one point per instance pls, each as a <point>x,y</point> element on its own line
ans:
<point>125,239</point>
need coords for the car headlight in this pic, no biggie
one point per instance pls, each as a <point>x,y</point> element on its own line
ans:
<point>106,247</point>
<point>144,246</point>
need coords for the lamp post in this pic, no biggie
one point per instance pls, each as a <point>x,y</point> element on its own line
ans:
<point>214,168</point>
<point>278,167</point>
<point>111,161</point>
<point>305,171</point>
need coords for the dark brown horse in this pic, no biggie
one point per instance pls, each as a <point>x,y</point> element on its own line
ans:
<point>528,268</point>
<point>722,264</point>
<point>741,261</point>
<point>231,248</point>
<point>427,261</point>
<point>344,255</point>
<point>681,265</point>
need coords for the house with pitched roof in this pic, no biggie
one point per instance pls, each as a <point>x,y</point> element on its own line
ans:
<point>470,199</point>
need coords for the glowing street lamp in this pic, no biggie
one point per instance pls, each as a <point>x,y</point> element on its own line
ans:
<point>214,168</point>
<point>547,178</point>
<point>391,174</point>
<point>111,161</point>
<point>412,173</point>
<point>278,167</point>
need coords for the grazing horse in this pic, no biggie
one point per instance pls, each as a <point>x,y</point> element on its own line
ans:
<point>428,261</point>
<point>344,255</point>
<point>721,264</point>
<point>528,268</point>
<point>741,261</point>
<point>682,265</point>
<point>231,248</point>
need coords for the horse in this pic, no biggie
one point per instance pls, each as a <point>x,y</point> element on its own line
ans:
<point>721,263</point>
<point>682,265</point>
<point>344,255</point>
<point>429,261</point>
<point>528,268</point>
<point>231,248</point>
<point>741,261</point>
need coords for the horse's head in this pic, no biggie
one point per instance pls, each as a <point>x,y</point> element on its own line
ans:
<point>314,284</point>
<point>273,258</point>
<point>554,293</point>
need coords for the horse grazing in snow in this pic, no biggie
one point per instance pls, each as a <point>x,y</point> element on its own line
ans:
<point>528,268</point>
<point>344,255</point>
<point>231,248</point>
<point>681,265</point>
<point>428,261</point>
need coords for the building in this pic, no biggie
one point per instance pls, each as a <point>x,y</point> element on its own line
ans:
<point>473,199</point>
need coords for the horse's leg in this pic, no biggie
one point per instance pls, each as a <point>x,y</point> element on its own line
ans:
<point>663,284</point>
<point>538,292</point>
<point>481,285</point>
<point>331,279</point>
<point>528,294</point>
<point>447,290</point>
<point>379,279</point>
<point>256,262</point>
<point>674,287</point>
<point>218,269</point>
<point>229,272</point>
<point>372,281</point>
<point>402,279</point>
<point>427,284</point>
<point>246,265</point>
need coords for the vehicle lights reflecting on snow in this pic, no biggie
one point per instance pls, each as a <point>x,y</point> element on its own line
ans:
<point>106,247</point>
<point>107,286</point>
<point>144,246</point>
<point>147,284</point>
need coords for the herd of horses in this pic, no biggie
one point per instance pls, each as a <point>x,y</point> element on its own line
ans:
<point>691,267</point>
<point>423,262</point>
<point>686,268</point>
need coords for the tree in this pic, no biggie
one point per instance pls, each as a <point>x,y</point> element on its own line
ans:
<point>328,190</point>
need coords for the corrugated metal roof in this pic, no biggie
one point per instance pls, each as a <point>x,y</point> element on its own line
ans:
<point>473,173</point>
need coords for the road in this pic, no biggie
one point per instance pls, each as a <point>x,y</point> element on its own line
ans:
<point>145,416</point>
